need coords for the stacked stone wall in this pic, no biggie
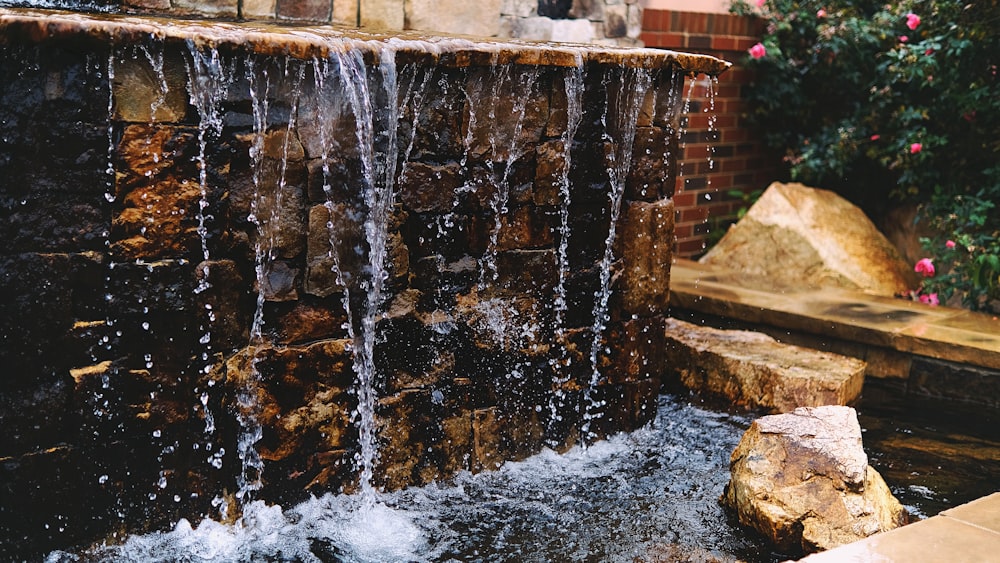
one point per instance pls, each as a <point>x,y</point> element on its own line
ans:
<point>189,252</point>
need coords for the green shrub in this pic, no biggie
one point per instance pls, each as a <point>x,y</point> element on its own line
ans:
<point>893,101</point>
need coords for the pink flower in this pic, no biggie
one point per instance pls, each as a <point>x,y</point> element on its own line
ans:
<point>930,299</point>
<point>760,3</point>
<point>903,39</point>
<point>821,13</point>
<point>924,266</point>
<point>758,51</point>
<point>916,147</point>
<point>876,137</point>
<point>949,244</point>
<point>929,52</point>
<point>912,21</point>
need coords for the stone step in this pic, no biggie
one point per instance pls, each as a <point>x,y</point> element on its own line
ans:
<point>753,370</point>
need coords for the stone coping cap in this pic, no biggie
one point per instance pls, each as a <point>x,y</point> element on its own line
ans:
<point>307,42</point>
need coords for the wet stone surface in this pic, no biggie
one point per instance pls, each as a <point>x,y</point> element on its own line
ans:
<point>308,263</point>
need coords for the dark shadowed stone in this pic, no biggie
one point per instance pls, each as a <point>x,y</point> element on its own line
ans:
<point>526,227</point>
<point>640,352</point>
<point>532,272</point>
<point>338,182</point>
<point>648,178</point>
<point>429,187</point>
<point>224,299</point>
<point>550,158</point>
<point>504,127</point>
<point>587,9</point>
<point>280,282</point>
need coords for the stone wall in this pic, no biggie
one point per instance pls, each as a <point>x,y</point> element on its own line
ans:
<point>235,273</point>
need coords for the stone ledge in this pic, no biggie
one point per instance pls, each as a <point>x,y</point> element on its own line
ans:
<point>940,333</point>
<point>754,370</point>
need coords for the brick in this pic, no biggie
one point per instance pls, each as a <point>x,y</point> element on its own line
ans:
<point>684,199</point>
<point>691,247</point>
<point>654,20</point>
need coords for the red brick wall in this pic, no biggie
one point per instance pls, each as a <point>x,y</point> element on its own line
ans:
<point>738,162</point>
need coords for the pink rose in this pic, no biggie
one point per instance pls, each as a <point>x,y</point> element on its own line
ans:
<point>949,244</point>
<point>821,13</point>
<point>760,3</point>
<point>876,137</point>
<point>915,148</point>
<point>903,39</point>
<point>912,21</point>
<point>930,299</point>
<point>758,51</point>
<point>924,266</point>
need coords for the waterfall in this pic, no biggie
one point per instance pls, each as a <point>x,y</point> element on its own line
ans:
<point>621,114</point>
<point>573,82</point>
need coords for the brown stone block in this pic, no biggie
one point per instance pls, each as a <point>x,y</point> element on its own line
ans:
<point>636,350</point>
<point>305,10</point>
<point>403,422</point>
<point>456,446</point>
<point>143,95</point>
<point>753,370</point>
<point>311,321</point>
<point>551,171</point>
<point>645,245</point>
<point>652,173</point>
<point>525,228</point>
<point>218,8</point>
<point>506,114</point>
<point>300,395</point>
<point>429,187</point>
<point>486,454</point>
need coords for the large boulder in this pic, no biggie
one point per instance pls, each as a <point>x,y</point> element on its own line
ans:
<point>753,370</point>
<point>802,480</point>
<point>812,238</point>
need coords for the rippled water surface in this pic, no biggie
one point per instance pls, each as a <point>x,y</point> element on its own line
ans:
<point>651,495</point>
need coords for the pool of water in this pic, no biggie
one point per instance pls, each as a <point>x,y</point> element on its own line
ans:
<point>933,454</point>
<point>650,495</point>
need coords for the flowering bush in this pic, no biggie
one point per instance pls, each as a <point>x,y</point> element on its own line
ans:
<point>880,101</point>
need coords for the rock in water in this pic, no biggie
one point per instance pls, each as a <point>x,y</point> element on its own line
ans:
<point>752,369</point>
<point>806,237</point>
<point>802,480</point>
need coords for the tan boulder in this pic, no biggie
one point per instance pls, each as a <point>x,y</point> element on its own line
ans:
<point>751,369</point>
<point>807,237</point>
<point>803,481</point>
